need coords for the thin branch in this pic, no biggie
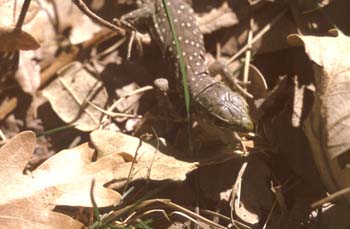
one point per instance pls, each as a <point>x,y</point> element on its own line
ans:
<point>258,36</point>
<point>330,198</point>
<point>85,9</point>
<point>22,16</point>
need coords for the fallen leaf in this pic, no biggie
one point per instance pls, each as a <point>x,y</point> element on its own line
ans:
<point>217,18</point>
<point>71,172</point>
<point>327,126</point>
<point>18,40</point>
<point>28,73</point>
<point>7,106</point>
<point>68,95</point>
<point>149,161</point>
<point>81,27</point>
<point>19,200</point>
<point>30,214</point>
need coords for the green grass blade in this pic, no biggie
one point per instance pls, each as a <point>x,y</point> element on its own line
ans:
<point>181,59</point>
<point>56,130</point>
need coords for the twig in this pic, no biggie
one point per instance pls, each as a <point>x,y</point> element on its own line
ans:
<point>330,198</point>
<point>113,114</point>
<point>22,15</point>
<point>137,91</point>
<point>83,7</point>
<point>269,215</point>
<point>188,218</point>
<point>248,54</point>
<point>258,36</point>
<point>156,150</point>
<point>236,190</point>
<point>2,135</point>
<point>132,166</point>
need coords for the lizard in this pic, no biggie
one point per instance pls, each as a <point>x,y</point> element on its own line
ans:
<point>212,100</point>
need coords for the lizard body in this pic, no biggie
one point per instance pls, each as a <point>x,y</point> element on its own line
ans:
<point>213,100</point>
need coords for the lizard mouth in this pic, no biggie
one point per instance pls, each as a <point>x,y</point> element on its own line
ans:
<point>232,121</point>
<point>240,125</point>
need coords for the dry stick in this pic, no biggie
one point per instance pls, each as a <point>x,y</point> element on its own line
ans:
<point>155,210</point>
<point>236,189</point>
<point>269,215</point>
<point>330,198</point>
<point>83,7</point>
<point>156,150</point>
<point>194,215</point>
<point>188,218</point>
<point>110,112</point>
<point>167,202</point>
<point>223,217</point>
<point>22,15</point>
<point>2,135</point>
<point>137,91</point>
<point>248,54</point>
<point>258,36</point>
<point>113,114</point>
<point>110,49</point>
<point>132,166</point>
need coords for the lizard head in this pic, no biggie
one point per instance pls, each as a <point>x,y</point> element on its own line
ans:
<point>224,108</point>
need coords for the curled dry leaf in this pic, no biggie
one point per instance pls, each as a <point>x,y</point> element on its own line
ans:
<point>19,40</point>
<point>327,126</point>
<point>70,93</point>
<point>23,199</point>
<point>114,145</point>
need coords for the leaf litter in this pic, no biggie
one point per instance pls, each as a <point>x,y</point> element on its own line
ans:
<point>131,140</point>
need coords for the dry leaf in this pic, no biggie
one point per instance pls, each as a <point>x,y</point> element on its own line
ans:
<point>68,95</point>
<point>7,106</point>
<point>20,205</point>
<point>19,40</point>
<point>29,214</point>
<point>217,18</point>
<point>71,173</point>
<point>327,126</point>
<point>64,179</point>
<point>28,73</point>
<point>81,26</point>
<point>114,145</point>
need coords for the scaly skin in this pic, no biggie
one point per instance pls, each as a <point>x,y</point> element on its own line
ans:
<point>213,100</point>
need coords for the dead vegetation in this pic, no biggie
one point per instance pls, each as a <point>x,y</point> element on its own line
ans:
<point>88,140</point>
